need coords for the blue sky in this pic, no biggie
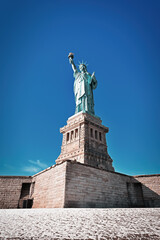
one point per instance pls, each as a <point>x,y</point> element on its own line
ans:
<point>120,42</point>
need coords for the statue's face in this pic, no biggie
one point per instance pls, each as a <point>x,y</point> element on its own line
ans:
<point>82,68</point>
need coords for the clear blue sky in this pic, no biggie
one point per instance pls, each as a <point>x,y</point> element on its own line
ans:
<point>120,40</point>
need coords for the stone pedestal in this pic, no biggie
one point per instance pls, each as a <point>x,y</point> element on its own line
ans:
<point>84,141</point>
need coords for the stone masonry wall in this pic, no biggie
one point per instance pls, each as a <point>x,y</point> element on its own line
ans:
<point>10,190</point>
<point>91,187</point>
<point>49,187</point>
<point>151,189</point>
<point>72,184</point>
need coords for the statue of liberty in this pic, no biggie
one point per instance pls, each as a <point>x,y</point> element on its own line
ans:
<point>83,87</point>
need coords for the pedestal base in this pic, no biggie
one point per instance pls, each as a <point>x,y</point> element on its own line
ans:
<point>84,141</point>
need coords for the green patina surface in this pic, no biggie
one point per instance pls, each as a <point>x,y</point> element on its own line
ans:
<point>83,87</point>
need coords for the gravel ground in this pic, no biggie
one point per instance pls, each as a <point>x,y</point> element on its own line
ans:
<point>80,223</point>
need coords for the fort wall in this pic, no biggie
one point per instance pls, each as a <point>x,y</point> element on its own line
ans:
<point>92,187</point>
<point>151,189</point>
<point>49,187</point>
<point>73,184</point>
<point>10,190</point>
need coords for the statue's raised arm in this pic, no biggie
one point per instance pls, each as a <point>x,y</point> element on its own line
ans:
<point>71,56</point>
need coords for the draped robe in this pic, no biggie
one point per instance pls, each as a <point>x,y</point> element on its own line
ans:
<point>83,91</point>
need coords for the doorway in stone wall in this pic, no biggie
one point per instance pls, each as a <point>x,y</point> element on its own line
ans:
<point>25,201</point>
<point>135,194</point>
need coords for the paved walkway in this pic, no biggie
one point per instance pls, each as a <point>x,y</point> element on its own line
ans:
<point>80,223</point>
